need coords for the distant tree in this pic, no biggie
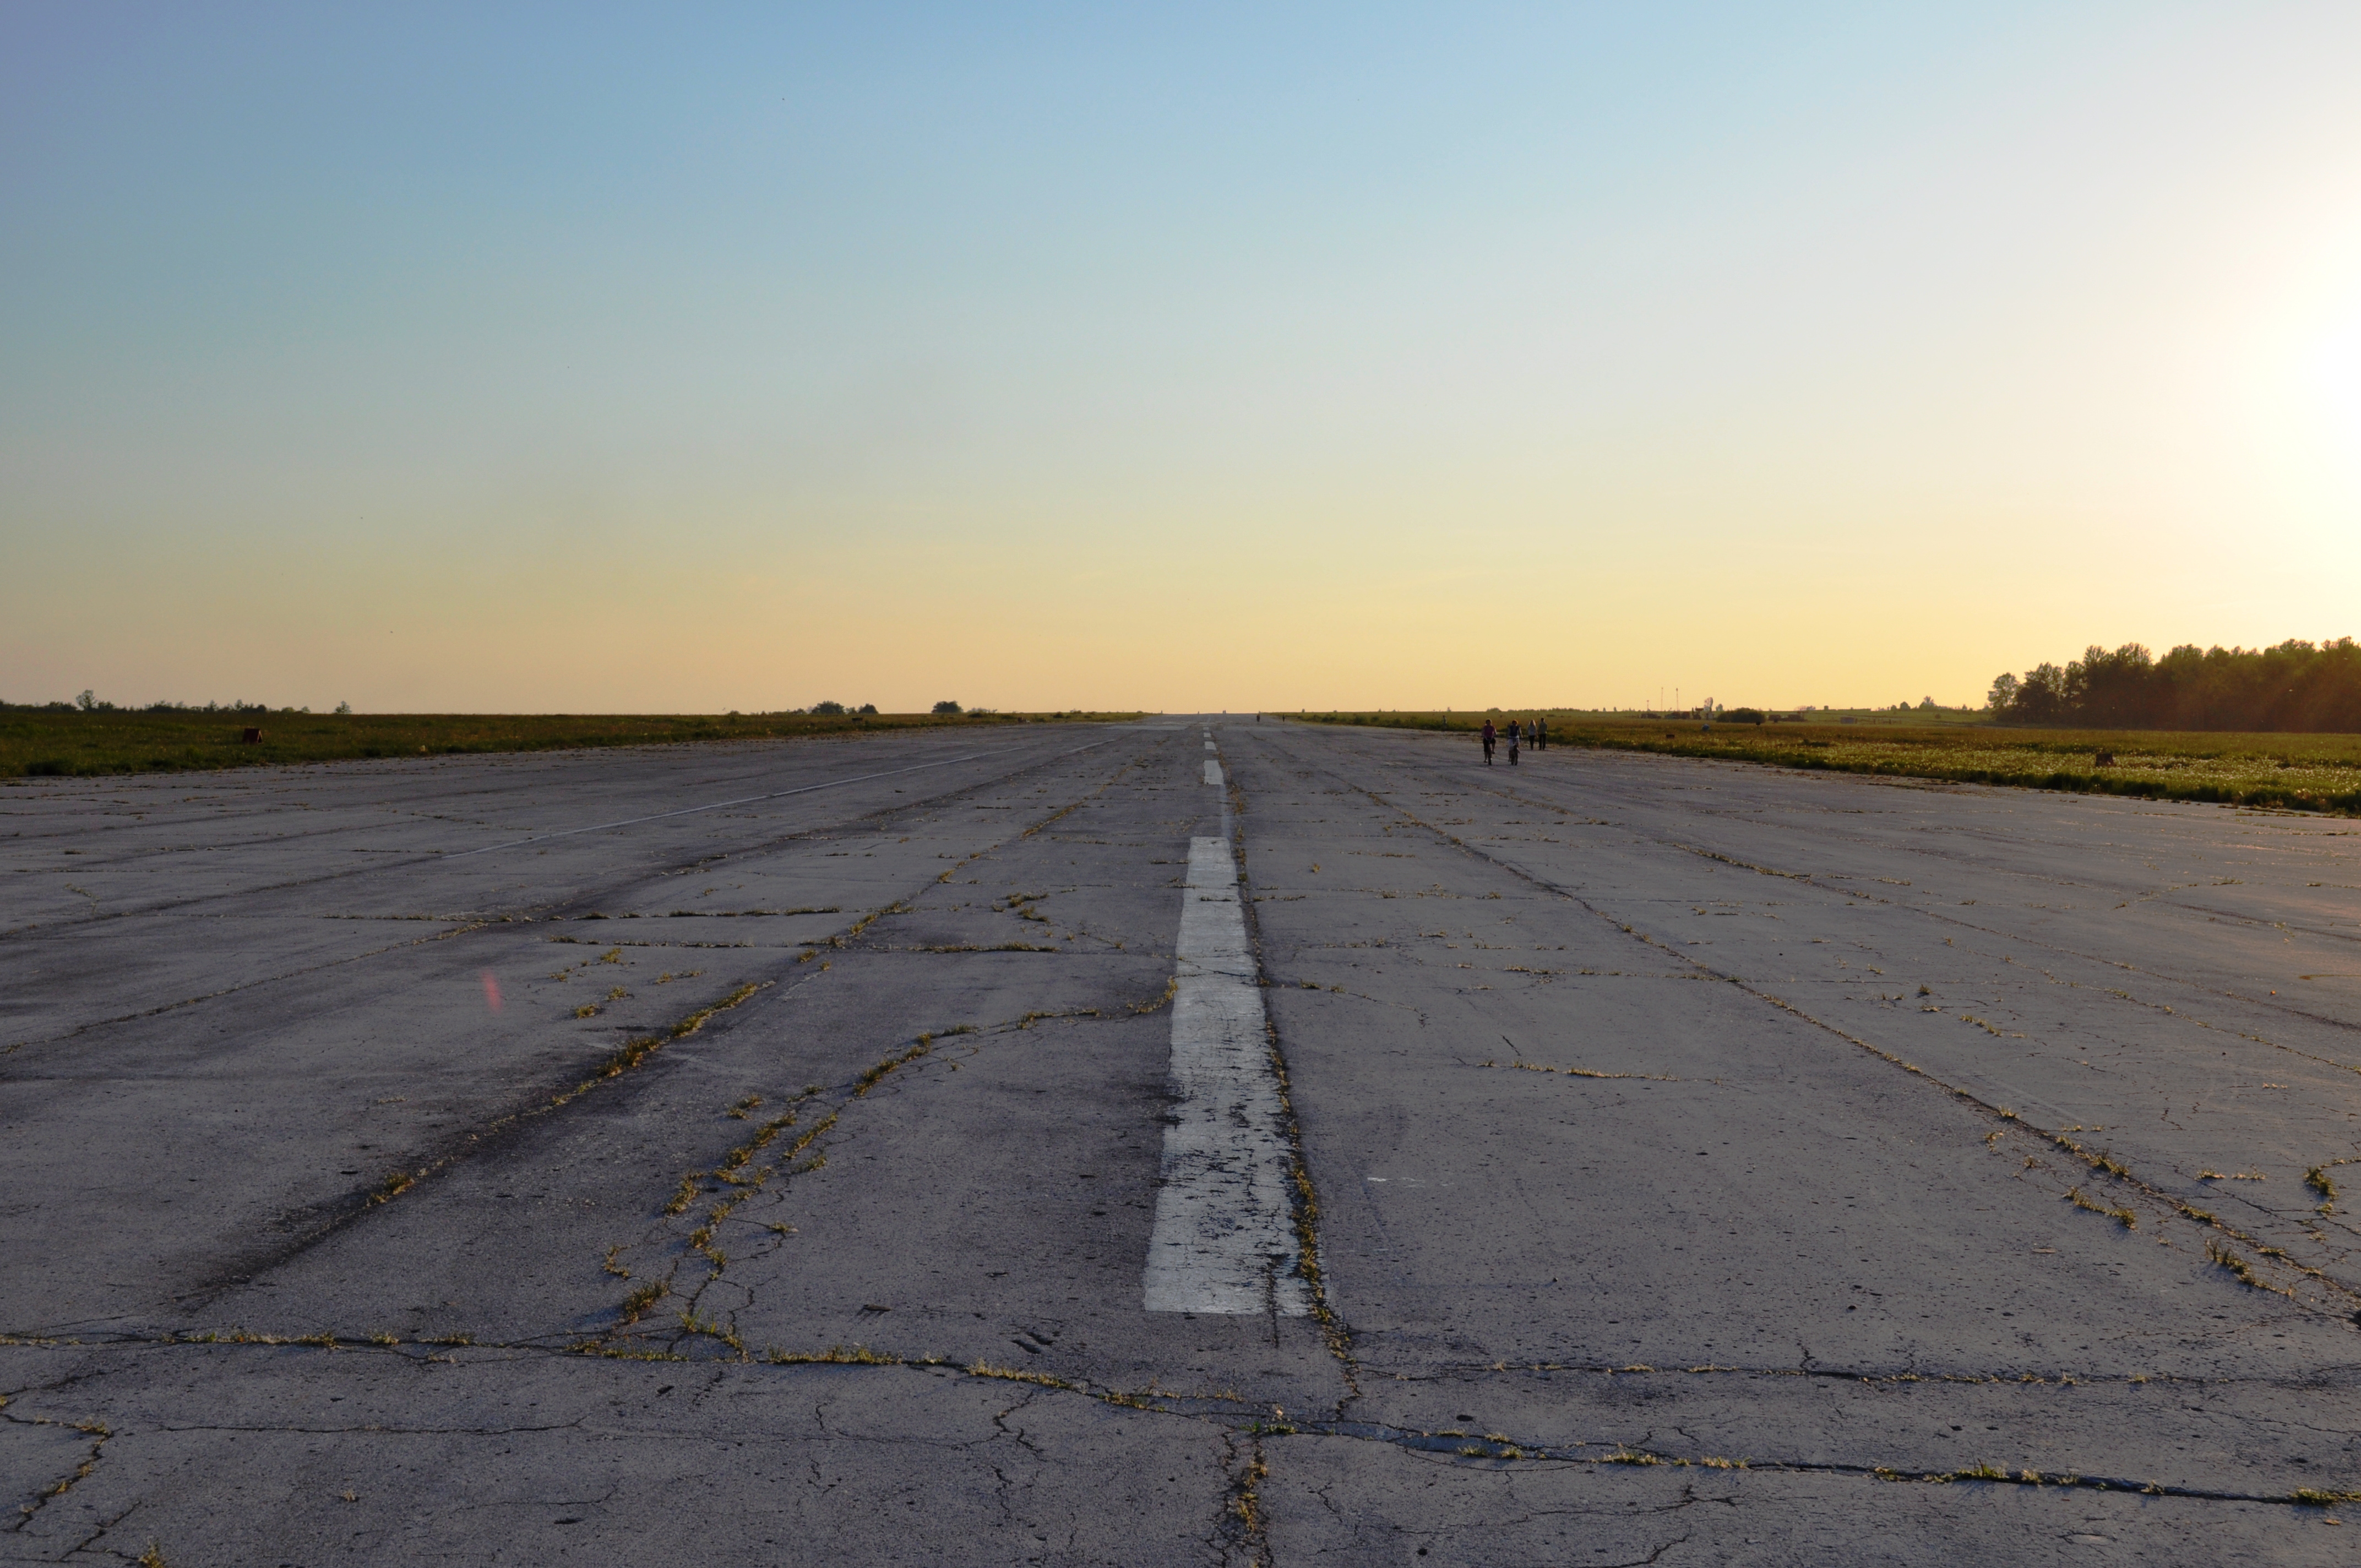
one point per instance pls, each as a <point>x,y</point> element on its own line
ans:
<point>343,707</point>
<point>2041,697</point>
<point>87,701</point>
<point>2297,685</point>
<point>828,708</point>
<point>948,707</point>
<point>868,708</point>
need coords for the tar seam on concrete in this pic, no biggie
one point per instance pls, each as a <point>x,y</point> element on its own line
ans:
<point>1214,772</point>
<point>741,800</point>
<point>1223,1241</point>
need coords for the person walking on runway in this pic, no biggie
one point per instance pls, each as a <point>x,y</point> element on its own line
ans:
<point>1541,733</point>
<point>1488,735</point>
<point>1512,742</point>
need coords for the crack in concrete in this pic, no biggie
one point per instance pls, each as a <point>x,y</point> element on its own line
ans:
<point>744,1188</point>
<point>523,913</point>
<point>1263,1425</point>
<point>2229,1263</point>
<point>438,857</point>
<point>80,1029</point>
<point>97,1431</point>
<point>1334,1331</point>
<point>1242,1534</point>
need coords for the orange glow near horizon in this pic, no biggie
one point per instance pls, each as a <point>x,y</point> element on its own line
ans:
<point>1177,361</point>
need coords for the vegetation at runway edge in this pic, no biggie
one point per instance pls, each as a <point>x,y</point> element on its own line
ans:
<point>2298,772</point>
<point>61,741</point>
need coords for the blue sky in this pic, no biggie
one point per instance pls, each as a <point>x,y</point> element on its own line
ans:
<point>581,357</point>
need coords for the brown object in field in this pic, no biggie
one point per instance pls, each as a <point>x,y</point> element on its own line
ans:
<point>250,737</point>
<point>2104,760</point>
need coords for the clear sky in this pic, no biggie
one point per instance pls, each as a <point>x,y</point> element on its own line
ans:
<point>691,357</point>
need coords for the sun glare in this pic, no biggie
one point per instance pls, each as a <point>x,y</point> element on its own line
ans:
<point>2336,381</point>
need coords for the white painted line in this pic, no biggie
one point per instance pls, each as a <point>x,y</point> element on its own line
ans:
<point>1212,772</point>
<point>1211,747</point>
<point>1224,1237</point>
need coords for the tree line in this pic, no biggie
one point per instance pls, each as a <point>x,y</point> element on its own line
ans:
<point>2296,686</point>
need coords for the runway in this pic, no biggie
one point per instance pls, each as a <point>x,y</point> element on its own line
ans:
<point>1075,1144</point>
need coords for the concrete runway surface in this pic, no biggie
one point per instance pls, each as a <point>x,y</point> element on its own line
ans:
<point>770,1153</point>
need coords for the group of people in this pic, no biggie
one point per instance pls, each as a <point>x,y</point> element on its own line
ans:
<point>1537,733</point>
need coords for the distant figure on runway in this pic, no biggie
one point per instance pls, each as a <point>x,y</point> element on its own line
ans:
<point>1512,742</point>
<point>1541,734</point>
<point>1489,735</point>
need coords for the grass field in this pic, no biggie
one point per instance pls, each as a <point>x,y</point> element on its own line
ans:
<point>46,743</point>
<point>2298,772</point>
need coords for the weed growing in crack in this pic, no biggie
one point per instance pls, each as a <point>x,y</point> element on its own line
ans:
<point>1032,1018</point>
<point>1306,1206</point>
<point>2319,1180</point>
<point>871,1079</point>
<point>711,1329</point>
<point>852,933</point>
<point>1587,1072</point>
<point>635,1305</point>
<point>1244,1511</point>
<point>2226,1258</point>
<point>636,1051</point>
<point>1018,1375</point>
<point>2123,1217</point>
<point>839,1356</point>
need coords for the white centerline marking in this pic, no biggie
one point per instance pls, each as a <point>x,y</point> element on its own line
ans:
<point>1212,772</point>
<point>1224,1237</point>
